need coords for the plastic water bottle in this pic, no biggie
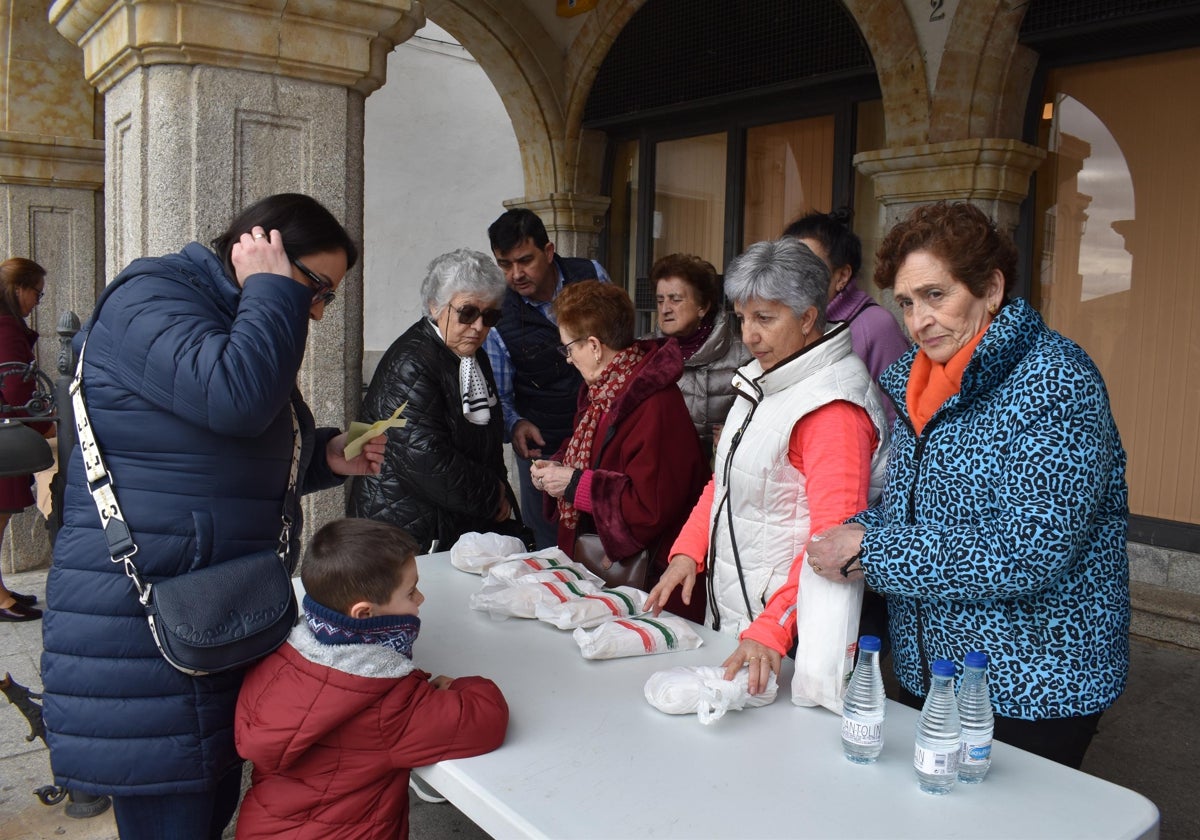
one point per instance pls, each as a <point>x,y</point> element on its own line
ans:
<point>864,706</point>
<point>938,733</point>
<point>975,712</point>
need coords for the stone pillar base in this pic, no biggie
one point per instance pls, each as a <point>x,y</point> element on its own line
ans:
<point>993,174</point>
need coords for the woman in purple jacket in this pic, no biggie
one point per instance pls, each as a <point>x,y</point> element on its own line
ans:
<point>874,332</point>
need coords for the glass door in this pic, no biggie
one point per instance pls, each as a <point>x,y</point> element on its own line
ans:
<point>789,172</point>
<point>689,198</point>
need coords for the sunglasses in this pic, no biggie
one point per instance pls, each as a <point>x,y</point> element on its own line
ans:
<point>470,313</point>
<point>323,287</point>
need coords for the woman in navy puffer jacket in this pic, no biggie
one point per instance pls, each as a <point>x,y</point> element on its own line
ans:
<point>189,376</point>
<point>1003,519</point>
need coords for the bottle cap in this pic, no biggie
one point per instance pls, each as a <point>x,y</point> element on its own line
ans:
<point>975,659</point>
<point>942,668</point>
<point>869,643</point>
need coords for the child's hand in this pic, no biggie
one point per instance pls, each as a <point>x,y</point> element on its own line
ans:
<point>441,681</point>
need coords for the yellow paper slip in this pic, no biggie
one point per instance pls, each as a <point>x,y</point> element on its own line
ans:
<point>360,433</point>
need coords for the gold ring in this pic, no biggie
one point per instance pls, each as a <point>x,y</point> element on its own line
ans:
<point>260,236</point>
<point>816,568</point>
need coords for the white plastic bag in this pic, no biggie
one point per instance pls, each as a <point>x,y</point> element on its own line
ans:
<point>827,636</point>
<point>474,552</point>
<point>636,637</point>
<point>547,564</point>
<point>521,600</point>
<point>590,610</point>
<point>704,690</point>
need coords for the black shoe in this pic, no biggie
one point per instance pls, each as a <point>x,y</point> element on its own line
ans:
<point>25,600</point>
<point>20,612</point>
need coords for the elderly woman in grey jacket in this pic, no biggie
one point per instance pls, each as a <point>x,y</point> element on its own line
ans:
<point>688,297</point>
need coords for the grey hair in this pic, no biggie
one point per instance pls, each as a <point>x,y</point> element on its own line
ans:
<point>782,270</point>
<point>461,272</point>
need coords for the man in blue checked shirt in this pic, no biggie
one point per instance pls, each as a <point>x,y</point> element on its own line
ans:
<point>537,387</point>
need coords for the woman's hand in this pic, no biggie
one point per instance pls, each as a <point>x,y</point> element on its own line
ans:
<point>681,570</point>
<point>835,549</point>
<point>551,477</point>
<point>761,660</point>
<point>367,462</point>
<point>259,252</point>
<point>441,681</point>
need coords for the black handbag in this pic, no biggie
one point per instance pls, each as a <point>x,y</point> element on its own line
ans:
<point>224,616</point>
<point>628,571</point>
<point>208,620</point>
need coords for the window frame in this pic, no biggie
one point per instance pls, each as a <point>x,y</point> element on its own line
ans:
<point>734,115</point>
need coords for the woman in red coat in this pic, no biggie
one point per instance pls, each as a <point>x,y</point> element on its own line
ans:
<point>22,284</point>
<point>633,467</point>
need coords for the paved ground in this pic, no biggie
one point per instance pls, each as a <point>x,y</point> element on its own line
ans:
<point>1148,742</point>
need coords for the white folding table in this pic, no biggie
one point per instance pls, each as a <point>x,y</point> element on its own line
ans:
<point>587,757</point>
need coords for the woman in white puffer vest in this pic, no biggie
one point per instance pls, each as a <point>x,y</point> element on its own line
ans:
<point>803,449</point>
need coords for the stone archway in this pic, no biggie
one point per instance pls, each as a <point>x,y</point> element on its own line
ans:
<point>544,87</point>
<point>900,66</point>
<point>521,61</point>
<point>984,76</point>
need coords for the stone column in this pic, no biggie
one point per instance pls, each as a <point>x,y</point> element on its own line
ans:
<point>572,220</point>
<point>990,173</point>
<point>210,106</point>
<point>51,167</point>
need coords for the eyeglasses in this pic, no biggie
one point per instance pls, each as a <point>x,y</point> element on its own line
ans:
<point>565,349</point>
<point>470,313</point>
<point>323,287</point>
<point>41,293</point>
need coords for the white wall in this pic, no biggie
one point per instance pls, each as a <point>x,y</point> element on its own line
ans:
<point>440,157</point>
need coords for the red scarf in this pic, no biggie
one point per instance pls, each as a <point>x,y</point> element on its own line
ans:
<point>930,383</point>
<point>611,382</point>
<point>696,340</point>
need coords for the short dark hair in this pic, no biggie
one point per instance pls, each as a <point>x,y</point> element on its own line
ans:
<point>352,560</point>
<point>303,222</point>
<point>17,273</point>
<point>960,235</point>
<point>514,227</point>
<point>697,273</point>
<point>833,231</point>
<point>590,307</point>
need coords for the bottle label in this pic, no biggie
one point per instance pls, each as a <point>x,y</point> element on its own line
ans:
<point>935,763</point>
<point>862,731</point>
<point>979,753</point>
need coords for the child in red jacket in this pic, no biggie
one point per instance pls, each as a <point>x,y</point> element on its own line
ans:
<point>335,718</point>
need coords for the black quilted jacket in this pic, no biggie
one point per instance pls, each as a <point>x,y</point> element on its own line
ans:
<point>442,476</point>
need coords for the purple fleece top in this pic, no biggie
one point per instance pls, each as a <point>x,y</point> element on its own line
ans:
<point>874,333</point>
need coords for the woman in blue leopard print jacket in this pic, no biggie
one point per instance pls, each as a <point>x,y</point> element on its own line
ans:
<point>1003,519</point>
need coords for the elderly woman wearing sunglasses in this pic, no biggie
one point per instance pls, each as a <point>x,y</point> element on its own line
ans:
<point>443,472</point>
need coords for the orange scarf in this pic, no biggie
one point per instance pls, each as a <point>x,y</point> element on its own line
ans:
<point>931,383</point>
